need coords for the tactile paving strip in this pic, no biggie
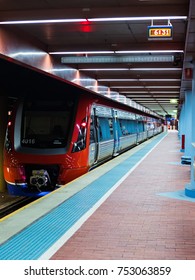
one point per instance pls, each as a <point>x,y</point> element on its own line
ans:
<point>34,240</point>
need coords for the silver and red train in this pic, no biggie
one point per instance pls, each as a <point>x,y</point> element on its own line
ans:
<point>51,141</point>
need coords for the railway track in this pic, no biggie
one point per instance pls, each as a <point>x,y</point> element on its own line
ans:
<point>13,206</point>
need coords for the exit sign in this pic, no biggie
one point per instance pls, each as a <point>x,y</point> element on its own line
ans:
<point>160,32</point>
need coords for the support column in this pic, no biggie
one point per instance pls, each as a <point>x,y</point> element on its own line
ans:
<point>190,188</point>
<point>3,125</point>
<point>181,129</point>
<point>186,158</point>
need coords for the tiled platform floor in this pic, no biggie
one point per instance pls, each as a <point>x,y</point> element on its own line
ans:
<point>135,222</point>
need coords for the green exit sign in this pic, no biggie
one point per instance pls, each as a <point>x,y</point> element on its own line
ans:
<point>160,32</point>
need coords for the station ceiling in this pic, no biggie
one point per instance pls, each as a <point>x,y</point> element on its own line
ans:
<point>110,43</point>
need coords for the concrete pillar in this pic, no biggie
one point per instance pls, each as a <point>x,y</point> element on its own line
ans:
<point>3,125</point>
<point>186,158</point>
<point>190,188</point>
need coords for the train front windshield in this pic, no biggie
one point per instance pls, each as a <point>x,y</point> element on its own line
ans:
<point>46,124</point>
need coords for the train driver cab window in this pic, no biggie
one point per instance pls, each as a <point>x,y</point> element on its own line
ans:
<point>46,123</point>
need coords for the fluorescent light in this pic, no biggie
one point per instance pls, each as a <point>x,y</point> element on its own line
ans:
<point>165,92</point>
<point>63,20</point>
<point>151,92</point>
<point>127,87</point>
<point>155,69</point>
<point>133,92</point>
<point>116,52</point>
<point>141,80</point>
<point>150,51</point>
<point>138,18</point>
<point>173,101</point>
<point>43,21</point>
<point>147,87</point>
<point>63,69</point>
<point>160,80</point>
<point>130,69</point>
<point>169,87</point>
<point>104,69</point>
<point>82,52</point>
<point>118,80</point>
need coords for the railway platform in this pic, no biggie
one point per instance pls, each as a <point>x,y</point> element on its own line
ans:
<point>133,207</point>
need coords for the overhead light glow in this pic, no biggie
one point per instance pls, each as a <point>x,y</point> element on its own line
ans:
<point>155,69</point>
<point>155,92</point>
<point>104,69</point>
<point>27,54</point>
<point>62,69</point>
<point>82,52</point>
<point>147,87</point>
<point>85,52</point>
<point>133,92</point>
<point>42,21</point>
<point>165,92</point>
<point>141,80</point>
<point>83,20</point>
<point>139,18</point>
<point>150,51</point>
<point>127,87</point>
<point>90,87</point>
<point>82,80</point>
<point>169,87</point>
<point>130,69</point>
<point>118,80</point>
<point>173,101</point>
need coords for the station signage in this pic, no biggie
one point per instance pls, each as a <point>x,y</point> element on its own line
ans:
<point>160,32</point>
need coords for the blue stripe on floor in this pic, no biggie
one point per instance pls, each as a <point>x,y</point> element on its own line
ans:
<point>38,237</point>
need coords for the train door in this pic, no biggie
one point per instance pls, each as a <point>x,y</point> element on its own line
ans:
<point>93,147</point>
<point>116,133</point>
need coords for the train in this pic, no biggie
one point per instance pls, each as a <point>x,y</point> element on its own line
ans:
<point>51,141</point>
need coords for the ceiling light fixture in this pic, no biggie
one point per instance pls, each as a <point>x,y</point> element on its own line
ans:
<point>155,69</point>
<point>127,87</point>
<point>115,52</point>
<point>168,87</point>
<point>155,92</point>
<point>138,18</point>
<point>141,80</point>
<point>104,69</point>
<point>43,21</point>
<point>82,52</point>
<point>130,69</point>
<point>150,51</point>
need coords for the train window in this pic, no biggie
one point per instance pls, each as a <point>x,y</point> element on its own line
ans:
<point>140,126</point>
<point>123,126</point>
<point>127,127</point>
<point>45,124</point>
<point>105,129</point>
